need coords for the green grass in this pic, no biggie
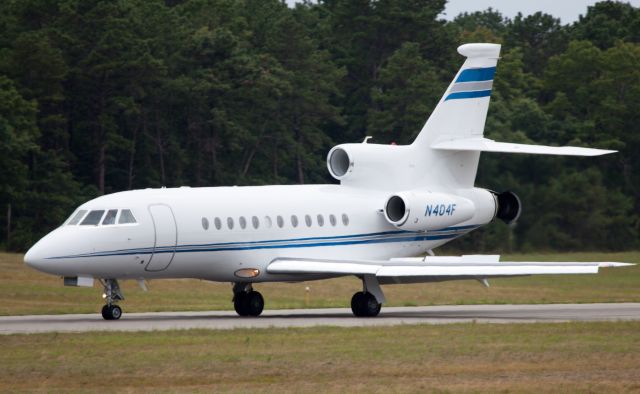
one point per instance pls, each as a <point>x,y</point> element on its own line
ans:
<point>571,357</point>
<point>26,291</point>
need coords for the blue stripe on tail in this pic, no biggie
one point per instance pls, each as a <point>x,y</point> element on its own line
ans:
<point>476,74</point>
<point>465,95</point>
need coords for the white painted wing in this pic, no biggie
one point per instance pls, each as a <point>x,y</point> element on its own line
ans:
<point>487,145</point>
<point>473,266</point>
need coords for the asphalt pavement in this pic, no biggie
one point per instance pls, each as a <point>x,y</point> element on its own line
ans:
<point>340,317</point>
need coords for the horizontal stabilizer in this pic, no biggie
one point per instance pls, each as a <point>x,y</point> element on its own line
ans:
<point>460,267</point>
<point>487,145</point>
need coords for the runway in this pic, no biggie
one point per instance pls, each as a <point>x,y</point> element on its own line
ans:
<point>340,317</point>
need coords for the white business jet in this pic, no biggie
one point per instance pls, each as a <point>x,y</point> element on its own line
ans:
<point>393,202</point>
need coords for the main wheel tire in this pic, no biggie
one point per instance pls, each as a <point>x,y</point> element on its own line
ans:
<point>240,304</point>
<point>357,304</point>
<point>105,313</point>
<point>371,305</point>
<point>365,305</point>
<point>254,303</point>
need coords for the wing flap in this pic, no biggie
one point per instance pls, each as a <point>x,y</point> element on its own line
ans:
<point>487,145</point>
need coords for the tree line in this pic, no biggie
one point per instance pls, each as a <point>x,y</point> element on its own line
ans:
<point>99,96</point>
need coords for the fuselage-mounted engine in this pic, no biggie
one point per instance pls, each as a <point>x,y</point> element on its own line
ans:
<point>425,211</point>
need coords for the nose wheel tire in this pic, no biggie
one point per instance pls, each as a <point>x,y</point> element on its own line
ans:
<point>111,312</point>
<point>248,303</point>
<point>365,305</point>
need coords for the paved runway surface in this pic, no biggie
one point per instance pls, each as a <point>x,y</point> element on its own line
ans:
<point>322,317</point>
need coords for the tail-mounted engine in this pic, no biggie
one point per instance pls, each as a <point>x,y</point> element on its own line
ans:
<point>370,165</point>
<point>425,211</point>
<point>509,206</point>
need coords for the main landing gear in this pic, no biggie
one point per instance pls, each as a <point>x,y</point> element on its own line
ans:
<point>246,301</point>
<point>367,303</point>
<point>112,294</point>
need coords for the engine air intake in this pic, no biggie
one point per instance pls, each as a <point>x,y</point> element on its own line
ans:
<point>339,163</point>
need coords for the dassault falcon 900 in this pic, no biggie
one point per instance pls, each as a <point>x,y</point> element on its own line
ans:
<point>393,202</point>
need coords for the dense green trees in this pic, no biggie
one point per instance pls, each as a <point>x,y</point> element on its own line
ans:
<point>99,96</point>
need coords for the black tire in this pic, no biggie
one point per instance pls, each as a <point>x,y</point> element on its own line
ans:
<point>240,304</point>
<point>116,312</point>
<point>105,313</point>
<point>254,303</point>
<point>365,305</point>
<point>111,312</point>
<point>357,304</point>
<point>371,306</point>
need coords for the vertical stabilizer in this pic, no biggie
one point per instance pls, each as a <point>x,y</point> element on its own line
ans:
<point>461,112</point>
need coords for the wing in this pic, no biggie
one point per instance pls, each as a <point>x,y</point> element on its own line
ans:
<point>434,268</point>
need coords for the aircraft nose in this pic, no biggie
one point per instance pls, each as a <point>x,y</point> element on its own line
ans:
<point>34,257</point>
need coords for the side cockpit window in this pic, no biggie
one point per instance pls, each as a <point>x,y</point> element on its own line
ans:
<point>110,217</point>
<point>93,218</point>
<point>76,218</point>
<point>126,217</point>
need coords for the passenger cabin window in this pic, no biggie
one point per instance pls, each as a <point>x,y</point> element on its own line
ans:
<point>218,223</point>
<point>110,217</point>
<point>345,219</point>
<point>126,217</point>
<point>307,220</point>
<point>320,220</point>
<point>230,223</point>
<point>205,223</point>
<point>93,218</point>
<point>268,222</point>
<point>243,222</point>
<point>76,218</point>
<point>332,220</point>
<point>255,221</point>
<point>280,221</point>
<point>294,220</point>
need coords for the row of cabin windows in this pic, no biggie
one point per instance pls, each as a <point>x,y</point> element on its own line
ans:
<point>268,222</point>
<point>95,217</point>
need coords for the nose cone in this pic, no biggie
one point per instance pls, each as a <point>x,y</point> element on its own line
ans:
<point>34,257</point>
<point>42,255</point>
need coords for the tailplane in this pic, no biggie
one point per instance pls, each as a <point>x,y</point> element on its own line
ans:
<point>453,136</point>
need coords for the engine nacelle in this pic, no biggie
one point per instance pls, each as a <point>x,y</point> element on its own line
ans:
<point>371,165</point>
<point>425,211</point>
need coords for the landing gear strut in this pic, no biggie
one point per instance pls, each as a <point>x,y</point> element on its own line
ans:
<point>112,294</point>
<point>367,303</point>
<point>246,301</point>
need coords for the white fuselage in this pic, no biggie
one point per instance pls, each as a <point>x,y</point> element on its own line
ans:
<point>176,233</point>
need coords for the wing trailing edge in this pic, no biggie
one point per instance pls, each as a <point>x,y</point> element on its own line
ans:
<point>458,267</point>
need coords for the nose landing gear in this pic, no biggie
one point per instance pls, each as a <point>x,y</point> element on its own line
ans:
<point>246,301</point>
<point>112,294</point>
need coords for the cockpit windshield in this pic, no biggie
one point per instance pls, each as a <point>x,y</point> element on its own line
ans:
<point>93,218</point>
<point>98,217</point>
<point>76,218</point>
<point>110,217</point>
